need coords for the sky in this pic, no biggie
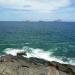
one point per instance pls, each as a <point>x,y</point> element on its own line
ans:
<point>37,10</point>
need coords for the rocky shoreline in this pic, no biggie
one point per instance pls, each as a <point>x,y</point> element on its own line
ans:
<point>19,65</point>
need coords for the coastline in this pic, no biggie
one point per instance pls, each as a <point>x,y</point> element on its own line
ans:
<point>19,65</point>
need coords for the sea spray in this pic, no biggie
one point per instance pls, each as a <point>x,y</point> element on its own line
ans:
<point>38,53</point>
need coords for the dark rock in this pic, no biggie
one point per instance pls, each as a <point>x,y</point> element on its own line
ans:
<point>21,54</point>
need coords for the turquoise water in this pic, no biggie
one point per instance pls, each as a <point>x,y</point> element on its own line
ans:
<point>55,37</point>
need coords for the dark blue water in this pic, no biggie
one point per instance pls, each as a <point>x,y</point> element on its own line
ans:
<point>55,37</point>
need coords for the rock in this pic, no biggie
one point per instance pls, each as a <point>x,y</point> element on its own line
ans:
<point>21,54</point>
<point>17,65</point>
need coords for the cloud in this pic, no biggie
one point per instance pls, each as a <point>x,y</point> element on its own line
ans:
<point>35,5</point>
<point>37,10</point>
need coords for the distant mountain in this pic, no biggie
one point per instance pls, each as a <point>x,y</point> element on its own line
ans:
<point>59,20</point>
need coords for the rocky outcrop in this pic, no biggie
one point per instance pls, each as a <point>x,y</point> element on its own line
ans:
<point>21,54</point>
<point>18,65</point>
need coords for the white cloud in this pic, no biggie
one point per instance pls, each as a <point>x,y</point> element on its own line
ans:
<point>35,5</point>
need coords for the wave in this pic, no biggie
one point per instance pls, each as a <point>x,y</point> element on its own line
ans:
<point>36,52</point>
<point>16,44</point>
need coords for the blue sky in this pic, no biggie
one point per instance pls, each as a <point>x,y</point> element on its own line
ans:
<point>35,10</point>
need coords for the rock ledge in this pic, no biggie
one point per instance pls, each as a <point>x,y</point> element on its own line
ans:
<point>18,65</point>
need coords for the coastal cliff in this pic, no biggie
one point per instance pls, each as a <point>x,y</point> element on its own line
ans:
<point>18,65</point>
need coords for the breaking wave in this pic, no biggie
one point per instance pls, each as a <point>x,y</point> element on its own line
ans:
<point>36,52</point>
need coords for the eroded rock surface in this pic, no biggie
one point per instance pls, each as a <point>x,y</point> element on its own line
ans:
<point>18,65</point>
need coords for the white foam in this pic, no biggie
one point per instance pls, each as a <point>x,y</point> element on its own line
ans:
<point>27,43</point>
<point>39,53</point>
<point>12,51</point>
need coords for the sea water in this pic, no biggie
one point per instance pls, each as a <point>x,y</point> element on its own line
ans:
<point>52,41</point>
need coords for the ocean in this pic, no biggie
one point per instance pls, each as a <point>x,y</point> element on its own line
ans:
<point>53,41</point>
